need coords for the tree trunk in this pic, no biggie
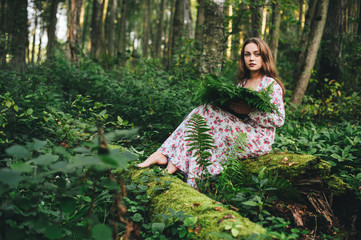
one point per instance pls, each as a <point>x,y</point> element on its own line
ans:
<point>213,40</point>
<point>160,21</point>
<point>122,36</point>
<point>256,18</point>
<point>40,42</point>
<point>331,47</point>
<point>74,29</point>
<point>200,21</point>
<point>311,52</point>
<point>275,29</point>
<point>300,18</point>
<point>188,19</point>
<point>177,28</point>
<point>305,35</point>
<point>146,27</point>
<point>3,31</point>
<point>104,17</point>
<point>34,35</point>
<point>51,28</point>
<point>96,28</point>
<point>85,29</point>
<point>19,34</point>
<point>111,29</point>
<point>237,33</point>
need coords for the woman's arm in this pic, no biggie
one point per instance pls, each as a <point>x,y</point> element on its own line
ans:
<point>271,119</point>
<point>240,107</point>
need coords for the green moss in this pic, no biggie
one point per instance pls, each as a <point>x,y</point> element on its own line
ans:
<point>180,196</point>
<point>337,186</point>
<point>298,166</point>
<point>290,166</point>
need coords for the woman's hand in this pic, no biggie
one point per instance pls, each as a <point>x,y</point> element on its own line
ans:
<point>240,107</point>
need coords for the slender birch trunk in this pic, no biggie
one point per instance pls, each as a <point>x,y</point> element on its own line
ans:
<point>311,52</point>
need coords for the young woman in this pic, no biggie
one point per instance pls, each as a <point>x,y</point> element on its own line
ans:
<point>256,71</point>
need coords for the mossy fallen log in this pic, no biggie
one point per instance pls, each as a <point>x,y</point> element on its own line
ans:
<point>307,172</point>
<point>311,176</point>
<point>212,215</point>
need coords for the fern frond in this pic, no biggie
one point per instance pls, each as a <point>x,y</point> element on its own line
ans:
<point>219,92</point>
<point>200,141</point>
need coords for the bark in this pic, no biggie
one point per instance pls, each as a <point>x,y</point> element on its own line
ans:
<point>95,33</point>
<point>51,28</point>
<point>122,31</point>
<point>177,27</point>
<point>213,32</point>
<point>353,16</point>
<point>168,49</point>
<point>74,29</point>
<point>34,35</point>
<point>104,17</point>
<point>256,18</point>
<point>188,19</point>
<point>237,33</point>
<point>85,29</point>
<point>3,30</point>
<point>40,42</point>
<point>275,29</point>
<point>200,21</point>
<point>19,34</point>
<point>111,28</point>
<point>146,27</point>
<point>158,41</point>
<point>300,17</point>
<point>305,36</point>
<point>211,214</point>
<point>317,28</point>
<point>331,47</point>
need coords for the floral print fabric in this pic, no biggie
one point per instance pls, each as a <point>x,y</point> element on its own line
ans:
<point>259,126</point>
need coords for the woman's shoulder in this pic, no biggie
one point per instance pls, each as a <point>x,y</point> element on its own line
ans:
<point>266,81</point>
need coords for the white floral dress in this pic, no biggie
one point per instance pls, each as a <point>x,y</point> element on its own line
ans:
<point>259,126</point>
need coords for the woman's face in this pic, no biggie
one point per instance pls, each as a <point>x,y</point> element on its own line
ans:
<point>252,57</point>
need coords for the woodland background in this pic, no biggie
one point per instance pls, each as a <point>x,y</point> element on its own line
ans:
<point>128,70</point>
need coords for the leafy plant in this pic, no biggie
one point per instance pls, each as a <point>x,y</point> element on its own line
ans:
<point>50,192</point>
<point>174,225</point>
<point>201,142</point>
<point>219,92</point>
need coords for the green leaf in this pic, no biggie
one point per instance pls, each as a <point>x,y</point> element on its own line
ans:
<point>250,203</point>
<point>29,111</point>
<point>101,232</point>
<point>68,205</point>
<point>158,227</point>
<point>45,160</point>
<point>18,151</point>
<point>234,232</point>
<point>53,232</point>
<point>190,221</point>
<point>10,177</point>
<point>137,217</point>
<point>21,167</point>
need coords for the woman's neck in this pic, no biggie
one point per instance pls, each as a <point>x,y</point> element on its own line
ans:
<point>255,75</point>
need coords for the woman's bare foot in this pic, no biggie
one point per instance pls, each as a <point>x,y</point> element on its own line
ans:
<point>155,158</point>
<point>171,168</point>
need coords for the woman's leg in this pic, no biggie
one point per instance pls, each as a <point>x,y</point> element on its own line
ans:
<point>171,168</point>
<point>156,158</point>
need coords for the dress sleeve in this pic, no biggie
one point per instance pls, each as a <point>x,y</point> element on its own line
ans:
<point>271,119</point>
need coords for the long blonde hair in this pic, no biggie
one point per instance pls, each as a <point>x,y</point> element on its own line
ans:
<point>268,67</point>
